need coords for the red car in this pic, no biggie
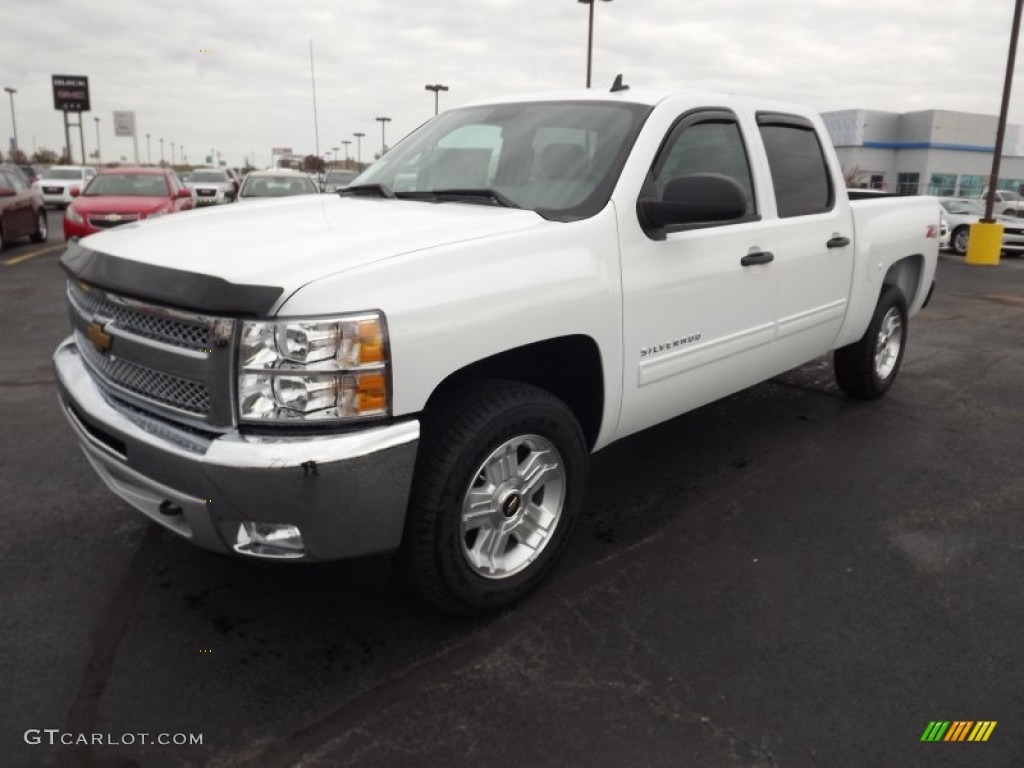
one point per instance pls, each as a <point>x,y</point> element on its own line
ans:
<point>22,213</point>
<point>121,195</point>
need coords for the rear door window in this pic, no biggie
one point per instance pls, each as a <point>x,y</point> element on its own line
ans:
<point>799,171</point>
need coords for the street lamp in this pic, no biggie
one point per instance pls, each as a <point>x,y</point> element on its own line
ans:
<point>98,161</point>
<point>14,123</point>
<point>161,151</point>
<point>346,143</point>
<point>149,155</point>
<point>383,144</point>
<point>335,151</point>
<point>435,88</point>
<point>172,153</point>
<point>590,35</point>
<point>359,149</point>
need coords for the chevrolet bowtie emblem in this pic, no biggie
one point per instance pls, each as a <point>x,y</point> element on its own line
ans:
<point>113,217</point>
<point>99,338</point>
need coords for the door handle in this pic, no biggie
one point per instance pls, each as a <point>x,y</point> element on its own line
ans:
<point>757,257</point>
<point>837,241</point>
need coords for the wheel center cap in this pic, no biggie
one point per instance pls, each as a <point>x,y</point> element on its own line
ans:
<point>511,505</point>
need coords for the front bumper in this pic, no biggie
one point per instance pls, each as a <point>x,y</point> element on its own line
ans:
<point>347,493</point>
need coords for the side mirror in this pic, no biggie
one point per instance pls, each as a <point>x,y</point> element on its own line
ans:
<point>7,192</point>
<point>184,192</point>
<point>75,191</point>
<point>697,198</point>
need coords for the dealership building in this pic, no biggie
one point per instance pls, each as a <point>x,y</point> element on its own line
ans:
<point>933,152</point>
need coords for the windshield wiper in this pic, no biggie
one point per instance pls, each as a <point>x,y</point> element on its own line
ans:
<point>492,196</point>
<point>368,190</point>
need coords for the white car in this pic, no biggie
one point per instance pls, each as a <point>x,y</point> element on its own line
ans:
<point>55,184</point>
<point>335,180</point>
<point>1007,202</point>
<point>960,212</point>
<point>260,185</point>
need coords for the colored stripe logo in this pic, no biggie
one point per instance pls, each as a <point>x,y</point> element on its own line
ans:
<point>958,730</point>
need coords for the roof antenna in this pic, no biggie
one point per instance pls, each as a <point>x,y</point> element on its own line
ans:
<point>618,86</point>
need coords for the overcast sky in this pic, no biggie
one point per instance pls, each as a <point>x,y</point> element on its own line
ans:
<point>252,90</point>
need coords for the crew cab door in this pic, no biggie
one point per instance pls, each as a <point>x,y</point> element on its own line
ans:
<point>698,300</point>
<point>814,254</point>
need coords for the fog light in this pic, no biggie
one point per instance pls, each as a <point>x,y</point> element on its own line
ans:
<point>269,540</point>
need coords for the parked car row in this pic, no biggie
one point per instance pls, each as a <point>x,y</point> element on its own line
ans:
<point>960,213</point>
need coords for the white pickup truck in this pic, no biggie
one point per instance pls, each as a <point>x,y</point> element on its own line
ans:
<point>423,362</point>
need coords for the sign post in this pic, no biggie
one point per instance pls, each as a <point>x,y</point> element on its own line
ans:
<point>124,125</point>
<point>71,94</point>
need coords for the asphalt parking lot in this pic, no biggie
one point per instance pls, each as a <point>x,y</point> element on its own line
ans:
<point>784,578</point>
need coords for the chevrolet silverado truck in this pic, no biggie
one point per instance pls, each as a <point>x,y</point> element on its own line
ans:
<point>422,363</point>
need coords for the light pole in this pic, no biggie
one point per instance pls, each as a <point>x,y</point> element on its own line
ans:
<point>14,123</point>
<point>149,155</point>
<point>172,153</point>
<point>359,149</point>
<point>383,144</point>
<point>346,143</point>
<point>435,88</point>
<point>590,35</point>
<point>335,151</point>
<point>98,161</point>
<point>161,151</point>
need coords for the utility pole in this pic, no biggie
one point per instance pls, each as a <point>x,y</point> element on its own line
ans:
<point>98,161</point>
<point>383,143</point>
<point>359,149</point>
<point>149,154</point>
<point>435,88</point>
<point>590,35</point>
<point>14,123</point>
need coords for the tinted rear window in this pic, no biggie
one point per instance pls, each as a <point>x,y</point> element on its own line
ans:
<point>799,173</point>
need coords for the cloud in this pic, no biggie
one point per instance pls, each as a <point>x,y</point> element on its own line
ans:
<point>235,76</point>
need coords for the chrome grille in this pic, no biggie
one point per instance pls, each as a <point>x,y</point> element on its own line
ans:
<point>102,222</point>
<point>191,396</point>
<point>170,363</point>
<point>160,327</point>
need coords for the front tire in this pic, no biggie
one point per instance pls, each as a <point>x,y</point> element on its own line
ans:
<point>959,240</point>
<point>867,368</point>
<point>500,479</point>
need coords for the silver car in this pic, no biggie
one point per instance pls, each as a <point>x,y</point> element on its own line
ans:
<point>260,185</point>
<point>213,186</point>
<point>336,180</point>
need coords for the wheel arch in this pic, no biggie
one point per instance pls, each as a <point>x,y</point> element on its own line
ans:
<point>906,274</point>
<point>569,367</point>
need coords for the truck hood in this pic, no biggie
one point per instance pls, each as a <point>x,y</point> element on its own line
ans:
<point>289,242</point>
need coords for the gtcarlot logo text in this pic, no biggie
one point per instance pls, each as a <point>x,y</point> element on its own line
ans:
<point>55,736</point>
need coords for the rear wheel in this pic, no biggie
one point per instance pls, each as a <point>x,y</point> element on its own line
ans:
<point>499,483</point>
<point>959,239</point>
<point>42,228</point>
<point>866,369</point>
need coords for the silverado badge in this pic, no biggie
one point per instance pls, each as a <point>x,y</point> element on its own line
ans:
<point>99,338</point>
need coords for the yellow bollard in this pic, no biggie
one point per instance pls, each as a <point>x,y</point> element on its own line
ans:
<point>985,243</point>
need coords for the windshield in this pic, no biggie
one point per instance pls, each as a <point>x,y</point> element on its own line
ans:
<point>127,185</point>
<point>209,176</point>
<point>964,207</point>
<point>277,186</point>
<point>560,159</point>
<point>64,174</point>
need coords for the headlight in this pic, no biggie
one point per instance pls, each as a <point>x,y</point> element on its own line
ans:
<point>324,369</point>
<point>73,216</point>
